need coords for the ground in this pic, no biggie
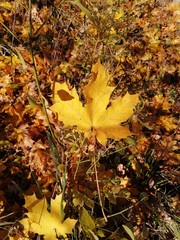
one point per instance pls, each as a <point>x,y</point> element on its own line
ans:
<point>133,182</point>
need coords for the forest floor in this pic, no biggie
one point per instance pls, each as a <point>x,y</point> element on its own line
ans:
<point>121,189</point>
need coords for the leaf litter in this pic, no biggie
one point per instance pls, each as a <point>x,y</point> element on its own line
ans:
<point>137,151</point>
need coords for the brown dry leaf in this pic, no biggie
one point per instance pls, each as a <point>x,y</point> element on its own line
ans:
<point>96,118</point>
<point>16,111</point>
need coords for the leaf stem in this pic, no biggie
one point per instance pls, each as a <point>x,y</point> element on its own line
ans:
<point>97,181</point>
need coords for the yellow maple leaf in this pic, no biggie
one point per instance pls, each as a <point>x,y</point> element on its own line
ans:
<point>43,222</point>
<point>96,117</point>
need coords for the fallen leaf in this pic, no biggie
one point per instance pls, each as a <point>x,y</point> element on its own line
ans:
<point>167,123</point>
<point>119,14</point>
<point>95,118</point>
<point>129,231</point>
<point>43,222</point>
<point>86,221</point>
<point>6,5</point>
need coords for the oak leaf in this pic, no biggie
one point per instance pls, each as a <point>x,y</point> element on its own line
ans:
<point>99,117</point>
<point>43,222</point>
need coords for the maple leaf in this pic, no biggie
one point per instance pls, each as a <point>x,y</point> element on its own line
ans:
<point>43,222</point>
<point>95,118</point>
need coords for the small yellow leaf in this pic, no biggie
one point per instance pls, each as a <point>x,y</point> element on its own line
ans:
<point>86,220</point>
<point>129,231</point>
<point>119,14</point>
<point>146,56</point>
<point>43,222</point>
<point>6,5</point>
<point>112,31</point>
<point>167,123</point>
<point>63,67</point>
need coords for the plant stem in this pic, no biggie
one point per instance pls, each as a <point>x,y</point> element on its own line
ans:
<point>52,138</point>
<point>97,181</point>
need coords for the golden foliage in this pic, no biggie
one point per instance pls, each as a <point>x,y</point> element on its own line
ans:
<point>140,43</point>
